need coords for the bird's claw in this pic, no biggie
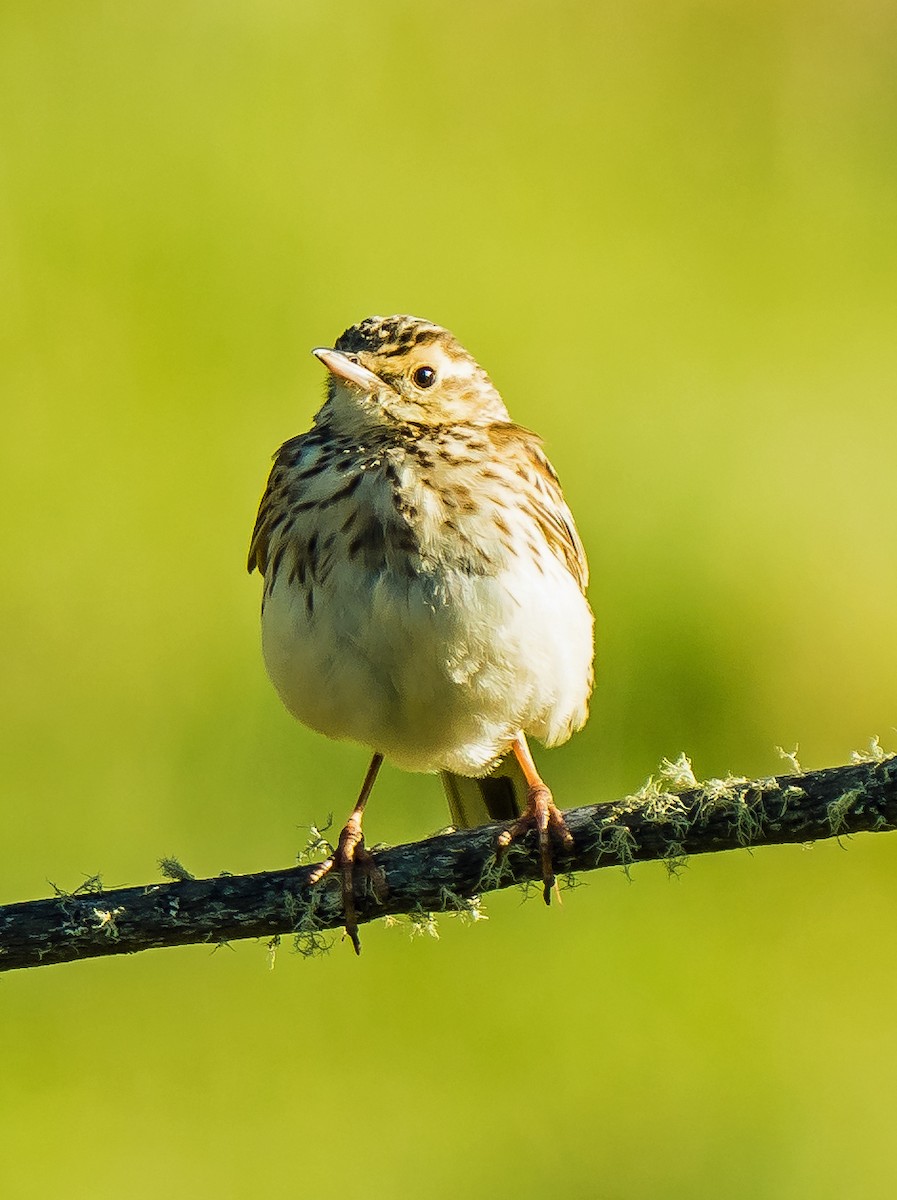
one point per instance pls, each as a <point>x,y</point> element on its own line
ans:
<point>543,815</point>
<point>350,856</point>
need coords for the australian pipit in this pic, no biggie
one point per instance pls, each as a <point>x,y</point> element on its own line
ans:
<point>424,584</point>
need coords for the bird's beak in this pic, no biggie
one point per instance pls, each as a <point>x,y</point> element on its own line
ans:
<point>344,368</point>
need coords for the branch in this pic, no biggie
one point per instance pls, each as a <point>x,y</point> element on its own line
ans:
<point>446,872</point>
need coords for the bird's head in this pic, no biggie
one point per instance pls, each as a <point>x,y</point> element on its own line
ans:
<point>405,370</point>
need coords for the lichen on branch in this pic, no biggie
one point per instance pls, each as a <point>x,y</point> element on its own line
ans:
<point>669,819</point>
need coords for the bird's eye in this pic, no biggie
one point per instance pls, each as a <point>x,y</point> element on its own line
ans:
<point>423,377</point>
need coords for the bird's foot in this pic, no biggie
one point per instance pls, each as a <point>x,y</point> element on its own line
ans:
<point>543,815</point>
<point>349,857</point>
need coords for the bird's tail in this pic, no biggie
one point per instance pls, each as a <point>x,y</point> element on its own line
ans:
<point>498,796</point>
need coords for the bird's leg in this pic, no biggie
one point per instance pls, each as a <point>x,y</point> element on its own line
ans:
<point>350,854</point>
<point>541,814</point>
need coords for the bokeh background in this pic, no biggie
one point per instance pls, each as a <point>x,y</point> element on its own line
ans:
<point>669,231</point>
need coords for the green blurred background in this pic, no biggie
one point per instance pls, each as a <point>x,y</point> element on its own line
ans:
<point>669,231</point>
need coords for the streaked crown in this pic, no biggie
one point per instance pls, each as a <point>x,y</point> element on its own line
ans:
<point>391,336</point>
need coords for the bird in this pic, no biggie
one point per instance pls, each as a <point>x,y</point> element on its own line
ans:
<point>424,587</point>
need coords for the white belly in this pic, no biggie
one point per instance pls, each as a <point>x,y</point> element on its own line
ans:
<point>436,676</point>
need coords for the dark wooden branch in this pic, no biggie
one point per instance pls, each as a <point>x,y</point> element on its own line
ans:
<point>446,872</point>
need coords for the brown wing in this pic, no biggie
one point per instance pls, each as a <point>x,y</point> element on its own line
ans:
<point>545,501</point>
<point>272,509</point>
<point>557,521</point>
<point>258,544</point>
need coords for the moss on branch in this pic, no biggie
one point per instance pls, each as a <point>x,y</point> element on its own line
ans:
<point>669,819</point>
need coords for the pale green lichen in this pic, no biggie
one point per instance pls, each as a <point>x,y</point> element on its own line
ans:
<point>617,841</point>
<point>790,757</point>
<point>423,924</point>
<point>472,912</point>
<point>874,754</point>
<point>675,860</point>
<point>678,774</point>
<point>469,909</point>
<point>654,802</point>
<point>106,920</point>
<point>668,809</point>
<point>273,947</point>
<point>660,803</point>
<point>724,789</point>
<point>792,793</point>
<point>491,875</point>
<point>499,866</point>
<point>174,870</point>
<point>292,908</point>
<point>531,889</point>
<point>310,938</point>
<point>313,944</point>
<point>317,846</point>
<point>730,795</point>
<point>569,881</point>
<point>748,820</point>
<point>649,790</point>
<point>838,809</point>
<point>784,796</point>
<point>92,885</point>
<point>720,794</point>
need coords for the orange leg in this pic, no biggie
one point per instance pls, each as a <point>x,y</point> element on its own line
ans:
<point>351,853</point>
<point>541,814</point>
